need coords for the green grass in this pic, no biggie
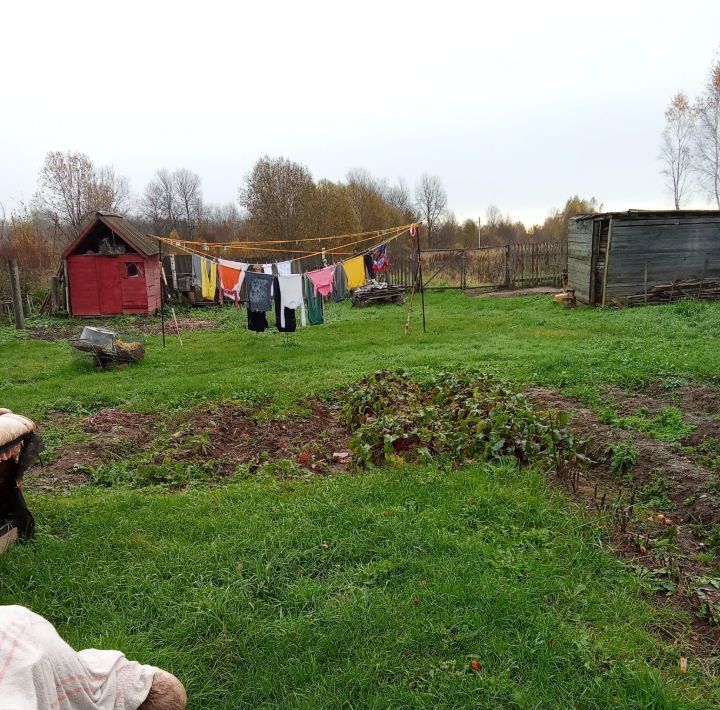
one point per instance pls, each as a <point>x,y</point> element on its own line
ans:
<point>665,424</point>
<point>231,588</point>
<point>526,339</point>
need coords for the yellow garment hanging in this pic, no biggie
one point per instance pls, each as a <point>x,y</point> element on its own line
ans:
<point>355,272</point>
<point>208,279</point>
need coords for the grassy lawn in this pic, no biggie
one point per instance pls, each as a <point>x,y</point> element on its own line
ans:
<point>374,590</point>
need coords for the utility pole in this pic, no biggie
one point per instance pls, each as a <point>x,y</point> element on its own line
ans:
<point>16,294</point>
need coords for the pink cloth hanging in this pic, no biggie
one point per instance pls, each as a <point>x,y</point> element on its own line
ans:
<point>322,280</point>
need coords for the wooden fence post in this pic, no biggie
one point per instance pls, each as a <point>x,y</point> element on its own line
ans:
<point>54,295</point>
<point>16,294</point>
<point>507,266</point>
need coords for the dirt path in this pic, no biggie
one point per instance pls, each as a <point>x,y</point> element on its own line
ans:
<point>226,437</point>
<point>534,291</point>
<point>660,512</point>
<point>145,326</point>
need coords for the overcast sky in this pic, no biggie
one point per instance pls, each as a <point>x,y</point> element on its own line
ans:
<point>518,105</point>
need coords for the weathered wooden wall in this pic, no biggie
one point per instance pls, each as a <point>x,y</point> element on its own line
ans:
<point>579,258</point>
<point>670,249</point>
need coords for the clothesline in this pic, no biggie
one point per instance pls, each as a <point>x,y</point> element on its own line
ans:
<point>306,255</point>
<point>266,283</point>
<point>242,244</point>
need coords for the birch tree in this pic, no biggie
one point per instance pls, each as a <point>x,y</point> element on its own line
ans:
<point>707,139</point>
<point>676,150</point>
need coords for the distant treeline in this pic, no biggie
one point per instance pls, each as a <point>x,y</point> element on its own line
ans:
<point>278,200</point>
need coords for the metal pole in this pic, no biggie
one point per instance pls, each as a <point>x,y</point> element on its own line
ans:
<point>16,294</point>
<point>422,290</point>
<point>162,293</point>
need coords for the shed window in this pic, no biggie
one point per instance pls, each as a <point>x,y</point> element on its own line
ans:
<point>133,269</point>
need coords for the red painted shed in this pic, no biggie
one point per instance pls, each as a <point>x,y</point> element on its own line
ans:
<point>112,268</point>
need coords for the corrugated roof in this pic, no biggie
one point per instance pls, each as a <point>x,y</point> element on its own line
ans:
<point>142,243</point>
<point>649,214</point>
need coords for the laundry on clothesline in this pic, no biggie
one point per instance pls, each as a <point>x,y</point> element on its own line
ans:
<point>379,257</point>
<point>269,286</point>
<point>285,320</point>
<point>232,276</point>
<point>258,287</point>
<point>314,302</point>
<point>369,267</point>
<point>322,280</point>
<point>208,277</point>
<point>291,297</point>
<point>355,272</point>
<point>339,285</point>
<point>284,268</point>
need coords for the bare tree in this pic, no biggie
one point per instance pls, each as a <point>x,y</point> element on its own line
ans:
<point>431,201</point>
<point>4,229</point>
<point>188,195</point>
<point>493,216</point>
<point>272,195</point>
<point>398,196</point>
<point>676,149</point>
<point>707,139</point>
<point>72,188</point>
<point>159,203</point>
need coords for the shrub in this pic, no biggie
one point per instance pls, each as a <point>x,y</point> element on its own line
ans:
<point>458,415</point>
<point>623,456</point>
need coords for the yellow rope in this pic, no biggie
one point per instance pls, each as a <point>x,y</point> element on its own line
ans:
<point>242,244</point>
<point>306,255</point>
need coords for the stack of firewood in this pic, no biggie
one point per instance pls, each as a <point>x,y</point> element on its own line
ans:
<point>678,290</point>
<point>375,292</point>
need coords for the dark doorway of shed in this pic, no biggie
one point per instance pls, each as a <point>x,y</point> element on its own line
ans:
<point>601,230</point>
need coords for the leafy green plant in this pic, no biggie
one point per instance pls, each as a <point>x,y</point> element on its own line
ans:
<point>704,589</point>
<point>654,494</point>
<point>461,416</point>
<point>623,456</point>
<point>282,468</point>
<point>706,453</point>
<point>57,437</point>
<point>169,474</point>
<point>690,309</point>
<point>666,424</point>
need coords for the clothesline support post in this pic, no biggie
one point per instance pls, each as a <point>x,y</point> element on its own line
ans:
<point>162,293</point>
<point>419,271</point>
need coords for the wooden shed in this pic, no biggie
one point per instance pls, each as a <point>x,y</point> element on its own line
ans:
<point>112,268</point>
<point>643,256</point>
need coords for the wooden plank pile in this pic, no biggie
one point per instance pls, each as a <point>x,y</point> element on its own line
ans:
<point>374,293</point>
<point>678,290</point>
